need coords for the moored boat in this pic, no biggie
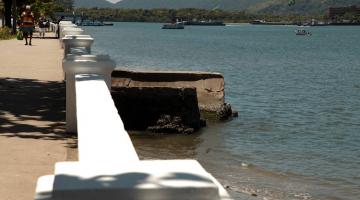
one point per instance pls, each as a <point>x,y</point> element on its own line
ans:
<point>89,23</point>
<point>263,22</point>
<point>302,32</point>
<point>204,23</point>
<point>177,25</point>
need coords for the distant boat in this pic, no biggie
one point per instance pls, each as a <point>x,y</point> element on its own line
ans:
<point>108,24</point>
<point>263,22</point>
<point>204,23</point>
<point>302,32</point>
<point>90,23</point>
<point>177,25</point>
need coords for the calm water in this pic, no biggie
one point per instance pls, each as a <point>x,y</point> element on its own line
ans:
<point>298,133</point>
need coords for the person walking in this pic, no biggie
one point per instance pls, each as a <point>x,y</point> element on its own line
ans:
<point>27,24</point>
<point>58,27</point>
<point>42,26</point>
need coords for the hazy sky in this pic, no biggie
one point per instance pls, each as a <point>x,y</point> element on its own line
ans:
<point>114,1</point>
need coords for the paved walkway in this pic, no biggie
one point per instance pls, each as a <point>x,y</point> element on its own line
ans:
<point>32,116</point>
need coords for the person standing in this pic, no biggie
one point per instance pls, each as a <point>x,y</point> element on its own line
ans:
<point>58,27</point>
<point>42,26</point>
<point>27,24</point>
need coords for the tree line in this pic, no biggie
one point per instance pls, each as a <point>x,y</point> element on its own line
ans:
<point>186,14</point>
<point>14,8</point>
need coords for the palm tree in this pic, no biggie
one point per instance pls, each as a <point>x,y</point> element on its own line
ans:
<point>7,12</point>
<point>10,11</point>
<point>2,13</point>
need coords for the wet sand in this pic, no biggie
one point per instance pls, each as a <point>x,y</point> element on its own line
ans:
<point>32,116</point>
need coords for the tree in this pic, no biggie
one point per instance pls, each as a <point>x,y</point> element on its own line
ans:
<point>14,14</point>
<point>42,7</point>
<point>2,12</point>
<point>15,7</point>
<point>7,12</point>
<point>68,5</point>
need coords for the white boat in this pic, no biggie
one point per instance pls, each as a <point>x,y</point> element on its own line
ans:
<point>90,23</point>
<point>302,32</point>
<point>177,25</point>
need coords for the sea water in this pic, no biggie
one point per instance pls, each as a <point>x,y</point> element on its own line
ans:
<point>298,131</point>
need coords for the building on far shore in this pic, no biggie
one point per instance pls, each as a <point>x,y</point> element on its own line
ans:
<point>335,13</point>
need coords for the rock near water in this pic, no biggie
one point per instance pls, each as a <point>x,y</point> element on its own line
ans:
<point>226,112</point>
<point>172,124</point>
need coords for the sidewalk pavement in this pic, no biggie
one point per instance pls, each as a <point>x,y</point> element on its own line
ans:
<point>32,116</point>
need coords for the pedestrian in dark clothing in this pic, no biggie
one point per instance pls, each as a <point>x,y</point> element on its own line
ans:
<point>58,29</point>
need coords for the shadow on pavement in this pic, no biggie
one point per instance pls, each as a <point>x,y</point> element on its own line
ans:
<point>32,109</point>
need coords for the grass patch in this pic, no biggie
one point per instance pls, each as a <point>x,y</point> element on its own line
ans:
<point>5,34</point>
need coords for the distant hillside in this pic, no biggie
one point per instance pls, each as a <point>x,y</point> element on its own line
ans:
<point>300,7</point>
<point>205,4</point>
<point>93,3</point>
<point>255,6</point>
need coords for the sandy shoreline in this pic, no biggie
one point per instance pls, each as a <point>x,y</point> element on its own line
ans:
<point>32,116</point>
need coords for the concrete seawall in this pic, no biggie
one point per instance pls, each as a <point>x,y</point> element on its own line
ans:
<point>209,86</point>
<point>174,110</point>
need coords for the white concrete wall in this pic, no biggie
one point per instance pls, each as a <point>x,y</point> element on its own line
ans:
<point>101,134</point>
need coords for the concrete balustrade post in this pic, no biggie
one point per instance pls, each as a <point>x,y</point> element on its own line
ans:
<point>77,41</point>
<point>62,26</point>
<point>65,22</point>
<point>84,64</point>
<point>71,31</point>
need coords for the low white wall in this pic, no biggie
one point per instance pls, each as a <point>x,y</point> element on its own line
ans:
<point>101,134</point>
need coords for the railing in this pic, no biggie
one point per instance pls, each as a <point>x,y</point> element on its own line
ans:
<point>108,166</point>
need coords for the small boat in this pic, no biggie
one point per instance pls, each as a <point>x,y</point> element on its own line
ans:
<point>177,25</point>
<point>263,22</point>
<point>302,32</point>
<point>108,24</point>
<point>89,23</point>
<point>204,23</point>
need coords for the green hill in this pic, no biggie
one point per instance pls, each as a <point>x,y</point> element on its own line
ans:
<point>300,6</point>
<point>93,3</point>
<point>205,4</point>
<point>255,6</point>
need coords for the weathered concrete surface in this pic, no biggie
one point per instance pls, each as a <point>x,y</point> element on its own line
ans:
<point>140,110</point>
<point>142,180</point>
<point>209,86</point>
<point>32,118</point>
